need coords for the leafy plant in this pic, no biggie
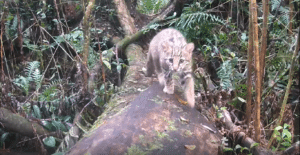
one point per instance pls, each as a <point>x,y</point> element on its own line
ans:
<point>229,75</point>
<point>49,141</point>
<point>50,92</point>
<point>196,23</point>
<point>3,138</point>
<point>33,74</point>
<point>283,137</point>
<point>240,148</point>
<point>150,6</point>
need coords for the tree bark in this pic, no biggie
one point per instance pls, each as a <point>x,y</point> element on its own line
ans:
<point>4,14</point>
<point>264,39</point>
<point>257,71</point>
<point>125,19</point>
<point>249,67</point>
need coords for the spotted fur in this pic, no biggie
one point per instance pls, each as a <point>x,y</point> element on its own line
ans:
<point>169,54</point>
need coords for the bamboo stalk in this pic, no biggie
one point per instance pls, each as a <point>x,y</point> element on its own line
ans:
<point>249,68</point>
<point>257,71</point>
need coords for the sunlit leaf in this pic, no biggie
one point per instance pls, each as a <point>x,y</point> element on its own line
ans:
<point>49,141</point>
<point>37,111</point>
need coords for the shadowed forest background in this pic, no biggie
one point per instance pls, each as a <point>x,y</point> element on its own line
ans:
<point>63,61</point>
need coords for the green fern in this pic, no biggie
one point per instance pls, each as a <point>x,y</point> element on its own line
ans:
<point>50,93</point>
<point>189,19</point>
<point>195,14</point>
<point>32,75</point>
<point>22,82</point>
<point>11,26</point>
<point>151,6</point>
<point>196,24</point>
<point>283,13</point>
<point>230,77</point>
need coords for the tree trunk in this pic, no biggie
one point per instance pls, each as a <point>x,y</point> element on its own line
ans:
<point>2,26</point>
<point>264,39</point>
<point>249,67</point>
<point>257,71</point>
<point>125,19</point>
<point>86,44</point>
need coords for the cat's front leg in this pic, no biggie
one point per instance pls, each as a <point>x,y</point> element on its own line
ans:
<point>187,82</point>
<point>189,92</point>
<point>169,84</point>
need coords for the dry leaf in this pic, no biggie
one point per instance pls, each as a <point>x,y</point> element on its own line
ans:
<point>190,147</point>
<point>184,120</point>
<point>180,100</point>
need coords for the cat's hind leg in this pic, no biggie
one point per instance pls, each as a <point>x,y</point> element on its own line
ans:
<point>150,66</point>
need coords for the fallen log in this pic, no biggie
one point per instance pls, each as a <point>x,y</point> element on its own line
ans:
<point>241,137</point>
<point>16,123</point>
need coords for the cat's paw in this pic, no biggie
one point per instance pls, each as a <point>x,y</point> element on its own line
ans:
<point>168,90</point>
<point>161,79</point>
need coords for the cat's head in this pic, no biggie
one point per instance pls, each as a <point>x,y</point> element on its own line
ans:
<point>178,56</point>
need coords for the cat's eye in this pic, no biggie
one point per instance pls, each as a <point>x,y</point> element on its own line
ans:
<point>171,60</point>
<point>181,61</point>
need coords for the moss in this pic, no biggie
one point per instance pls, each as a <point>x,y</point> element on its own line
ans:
<point>135,150</point>
<point>187,133</point>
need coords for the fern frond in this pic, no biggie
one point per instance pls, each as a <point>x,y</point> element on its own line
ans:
<point>50,94</point>
<point>37,78</point>
<point>31,67</point>
<point>22,82</point>
<point>151,6</point>
<point>195,14</point>
<point>189,19</point>
<point>227,73</point>
<point>275,4</point>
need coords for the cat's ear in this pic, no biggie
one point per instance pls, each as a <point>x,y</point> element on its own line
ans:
<point>188,51</point>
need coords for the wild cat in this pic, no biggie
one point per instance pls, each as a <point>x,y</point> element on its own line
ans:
<point>169,53</point>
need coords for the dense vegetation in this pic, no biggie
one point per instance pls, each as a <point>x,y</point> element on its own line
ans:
<point>43,64</point>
